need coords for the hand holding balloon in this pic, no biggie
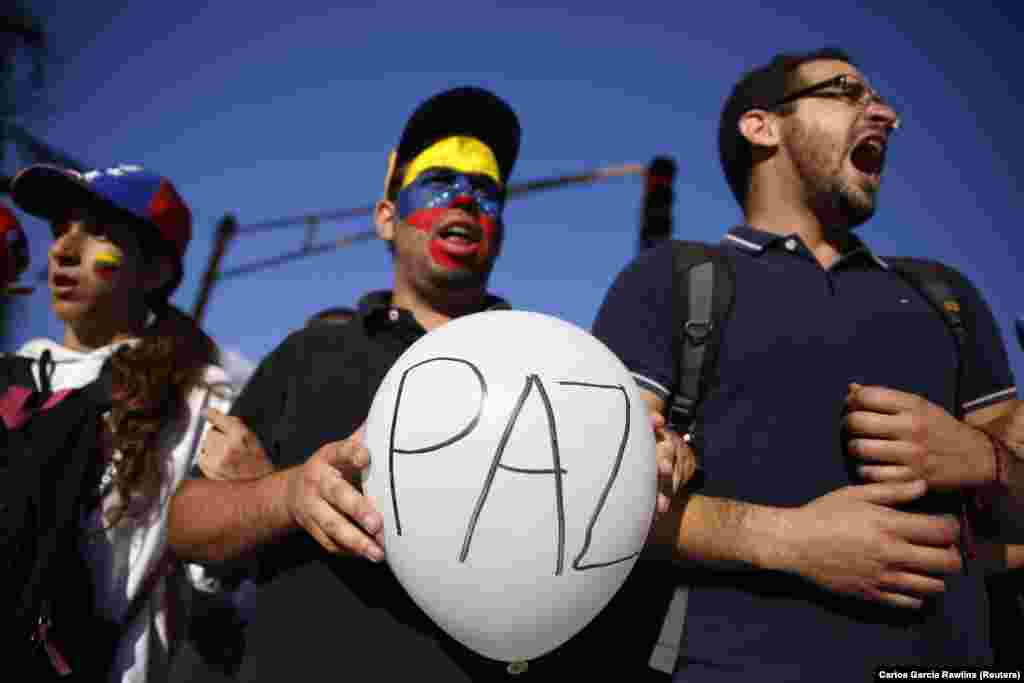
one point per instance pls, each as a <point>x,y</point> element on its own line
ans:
<point>676,462</point>
<point>325,499</point>
<point>231,450</point>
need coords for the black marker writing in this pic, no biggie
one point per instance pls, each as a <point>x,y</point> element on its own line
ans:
<point>428,449</point>
<point>577,563</point>
<point>557,471</point>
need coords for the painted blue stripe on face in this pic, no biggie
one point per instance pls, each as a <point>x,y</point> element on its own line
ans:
<point>439,188</point>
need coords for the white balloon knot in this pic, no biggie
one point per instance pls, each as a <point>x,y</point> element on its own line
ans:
<point>517,667</point>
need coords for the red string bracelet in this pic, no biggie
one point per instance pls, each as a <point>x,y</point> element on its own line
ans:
<point>987,494</point>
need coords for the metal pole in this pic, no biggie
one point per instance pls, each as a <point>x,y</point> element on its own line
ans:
<point>226,230</point>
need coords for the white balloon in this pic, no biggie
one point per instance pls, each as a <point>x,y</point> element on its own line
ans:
<point>466,434</point>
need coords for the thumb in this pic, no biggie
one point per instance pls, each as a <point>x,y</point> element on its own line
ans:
<point>347,455</point>
<point>214,415</point>
<point>890,492</point>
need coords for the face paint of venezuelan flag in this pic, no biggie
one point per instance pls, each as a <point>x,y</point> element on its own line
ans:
<point>456,173</point>
<point>106,264</point>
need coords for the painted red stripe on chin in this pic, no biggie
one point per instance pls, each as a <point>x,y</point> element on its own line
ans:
<point>441,257</point>
<point>424,220</point>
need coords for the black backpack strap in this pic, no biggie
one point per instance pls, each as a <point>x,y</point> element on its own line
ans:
<point>932,280</point>
<point>15,371</point>
<point>15,375</point>
<point>703,284</point>
<point>1005,597</point>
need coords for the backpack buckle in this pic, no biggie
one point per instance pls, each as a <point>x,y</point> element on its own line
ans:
<point>697,331</point>
<point>681,412</point>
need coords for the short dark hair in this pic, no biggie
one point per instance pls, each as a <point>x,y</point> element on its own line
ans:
<point>759,88</point>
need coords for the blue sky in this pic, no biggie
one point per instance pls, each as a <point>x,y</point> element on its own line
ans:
<point>276,109</point>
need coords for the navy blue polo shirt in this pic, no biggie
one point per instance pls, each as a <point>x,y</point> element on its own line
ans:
<point>797,336</point>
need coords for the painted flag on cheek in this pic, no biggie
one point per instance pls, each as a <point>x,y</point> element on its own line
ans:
<point>106,264</point>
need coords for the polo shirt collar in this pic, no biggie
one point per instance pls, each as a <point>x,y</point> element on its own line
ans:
<point>751,240</point>
<point>375,308</point>
<point>754,241</point>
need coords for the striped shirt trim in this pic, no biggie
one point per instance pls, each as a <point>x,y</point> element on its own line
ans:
<point>743,242</point>
<point>1004,395</point>
<point>651,385</point>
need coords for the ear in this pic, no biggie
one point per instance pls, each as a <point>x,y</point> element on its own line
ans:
<point>760,128</point>
<point>385,215</point>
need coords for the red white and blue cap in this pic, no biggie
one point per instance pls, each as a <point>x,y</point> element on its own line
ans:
<point>118,192</point>
<point>13,247</point>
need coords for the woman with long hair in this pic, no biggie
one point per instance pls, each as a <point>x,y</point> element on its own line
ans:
<point>119,239</point>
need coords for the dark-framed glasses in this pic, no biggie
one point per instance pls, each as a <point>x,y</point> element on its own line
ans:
<point>842,87</point>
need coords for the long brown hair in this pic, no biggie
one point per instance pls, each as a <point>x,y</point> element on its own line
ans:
<point>151,383</point>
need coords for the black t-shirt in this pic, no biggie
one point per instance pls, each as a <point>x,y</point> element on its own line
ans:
<point>318,617</point>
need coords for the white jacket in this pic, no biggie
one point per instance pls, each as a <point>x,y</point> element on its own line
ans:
<point>122,558</point>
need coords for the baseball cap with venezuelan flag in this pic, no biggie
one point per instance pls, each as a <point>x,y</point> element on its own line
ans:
<point>127,193</point>
<point>451,125</point>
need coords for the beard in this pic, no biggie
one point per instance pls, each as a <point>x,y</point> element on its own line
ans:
<point>461,278</point>
<point>841,205</point>
<point>835,198</point>
<point>430,279</point>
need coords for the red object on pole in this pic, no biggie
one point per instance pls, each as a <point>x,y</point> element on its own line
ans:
<point>13,252</point>
<point>656,215</point>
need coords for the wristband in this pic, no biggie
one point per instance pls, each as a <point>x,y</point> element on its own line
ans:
<point>986,494</point>
<point>1001,454</point>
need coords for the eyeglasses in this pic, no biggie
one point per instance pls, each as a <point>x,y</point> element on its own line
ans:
<point>848,88</point>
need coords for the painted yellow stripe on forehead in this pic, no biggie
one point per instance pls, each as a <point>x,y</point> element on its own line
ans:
<point>463,154</point>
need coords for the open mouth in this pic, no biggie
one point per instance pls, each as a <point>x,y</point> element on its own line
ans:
<point>460,234</point>
<point>63,285</point>
<point>61,281</point>
<point>457,242</point>
<point>868,155</point>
